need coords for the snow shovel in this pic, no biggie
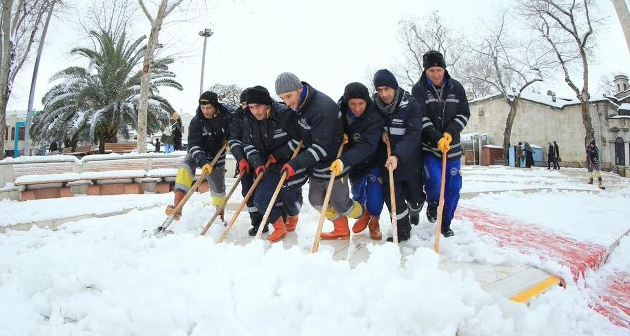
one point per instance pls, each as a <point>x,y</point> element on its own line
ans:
<point>438,227</point>
<point>181,203</point>
<point>263,222</point>
<point>220,208</point>
<point>242,205</point>
<point>322,215</point>
<point>392,196</point>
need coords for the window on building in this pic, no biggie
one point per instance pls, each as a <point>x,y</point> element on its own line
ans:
<point>12,133</point>
<point>6,133</point>
<point>620,155</point>
<point>21,133</point>
<point>625,86</point>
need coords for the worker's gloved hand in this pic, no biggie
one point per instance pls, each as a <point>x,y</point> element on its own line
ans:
<point>336,167</point>
<point>448,137</point>
<point>287,169</point>
<point>259,170</point>
<point>206,169</point>
<point>243,166</point>
<point>443,145</point>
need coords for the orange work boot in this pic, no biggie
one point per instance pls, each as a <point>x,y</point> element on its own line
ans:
<point>291,223</point>
<point>362,222</point>
<point>279,231</point>
<point>341,231</point>
<point>179,195</point>
<point>375,230</point>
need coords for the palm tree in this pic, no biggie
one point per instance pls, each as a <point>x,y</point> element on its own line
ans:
<point>99,103</point>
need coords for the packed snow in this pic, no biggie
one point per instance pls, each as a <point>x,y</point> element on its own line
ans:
<point>95,271</point>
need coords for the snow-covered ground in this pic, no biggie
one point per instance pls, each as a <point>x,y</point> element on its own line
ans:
<point>100,275</point>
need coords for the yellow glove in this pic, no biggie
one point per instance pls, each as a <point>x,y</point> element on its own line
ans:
<point>206,169</point>
<point>345,138</point>
<point>443,145</point>
<point>336,167</point>
<point>448,137</point>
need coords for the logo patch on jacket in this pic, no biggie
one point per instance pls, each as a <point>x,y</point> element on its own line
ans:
<point>356,137</point>
<point>304,124</point>
<point>404,103</point>
<point>397,122</point>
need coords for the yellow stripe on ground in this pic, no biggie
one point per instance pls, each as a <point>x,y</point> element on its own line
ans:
<point>538,288</point>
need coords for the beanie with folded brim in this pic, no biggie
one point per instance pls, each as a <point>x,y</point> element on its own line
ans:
<point>258,95</point>
<point>384,77</point>
<point>356,90</point>
<point>287,82</point>
<point>433,58</point>
<point>209,97</point>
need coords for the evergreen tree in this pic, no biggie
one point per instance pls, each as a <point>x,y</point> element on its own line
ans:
<point>99,103</point>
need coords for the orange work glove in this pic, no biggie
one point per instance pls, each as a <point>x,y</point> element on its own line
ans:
<point>288,169</point>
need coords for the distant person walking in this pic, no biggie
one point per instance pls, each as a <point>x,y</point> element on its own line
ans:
<point>556,158</point>
<point>177,132</point>
<point>157,145</point>
<point>550,156</point>
<point>592,161</point>
<point>168,134</point>
<point>529,155</point>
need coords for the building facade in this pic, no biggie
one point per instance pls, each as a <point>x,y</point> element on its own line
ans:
<point>546,118</point>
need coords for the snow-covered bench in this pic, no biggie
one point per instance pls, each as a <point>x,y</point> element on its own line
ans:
<point>113,175</point>
<point>35,179</point>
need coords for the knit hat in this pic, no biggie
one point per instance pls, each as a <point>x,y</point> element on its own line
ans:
<point>258,95</point>
<point>356,90</point>
<point>433,58</point>
<point>384,77</point>
<point>244,95</point>
<point>287,82</point>
<point>209,97</point>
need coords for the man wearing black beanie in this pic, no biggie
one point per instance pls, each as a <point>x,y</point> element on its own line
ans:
<point>207,134</point>
<point>362,128</point>
<point>446,115</point>
<point>402,114</point>
<point>270,135</point>
<point>235,142</point>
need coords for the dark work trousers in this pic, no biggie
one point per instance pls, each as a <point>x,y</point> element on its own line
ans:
<point>289,199</point>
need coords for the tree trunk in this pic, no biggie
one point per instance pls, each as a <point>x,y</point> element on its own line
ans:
<point>509,122</point>
<point>145,80</point>
<point>586,120</point>
<point>624,19</point>
<point>6,59</point>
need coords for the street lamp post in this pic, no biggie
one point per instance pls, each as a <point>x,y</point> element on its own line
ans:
<point>205,33</point>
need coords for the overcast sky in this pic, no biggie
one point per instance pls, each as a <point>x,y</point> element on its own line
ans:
<point>327,43</point>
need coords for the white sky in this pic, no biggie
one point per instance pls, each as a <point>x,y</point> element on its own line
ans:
<point>327,43</point>
<point>102,276</point>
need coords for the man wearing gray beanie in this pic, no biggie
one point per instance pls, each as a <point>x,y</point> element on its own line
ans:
<point>321,128</point>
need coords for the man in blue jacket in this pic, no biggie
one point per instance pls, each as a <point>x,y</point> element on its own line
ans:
<point>207,134</point>
<point>362,125</point>
<point>446,114</point>
<point>402,115</point>
<point>321,129</point>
